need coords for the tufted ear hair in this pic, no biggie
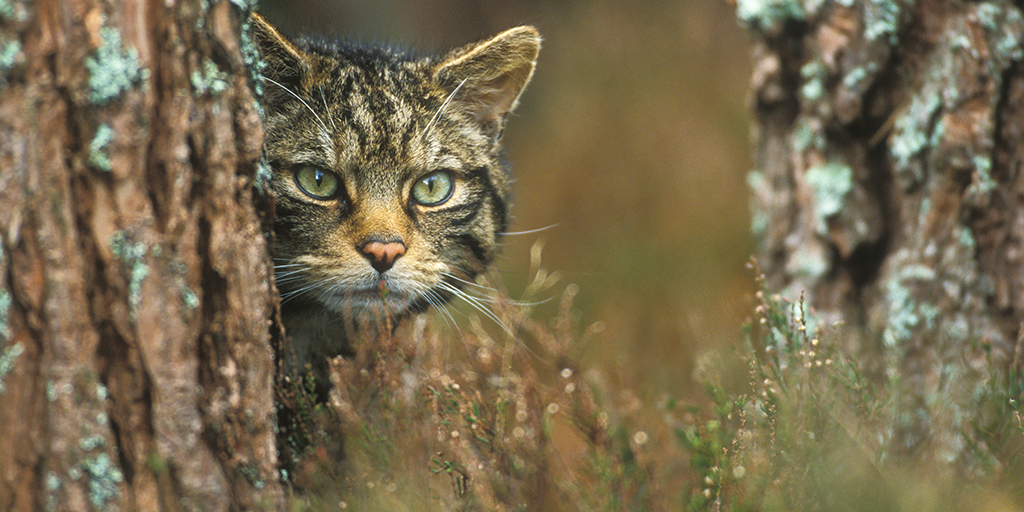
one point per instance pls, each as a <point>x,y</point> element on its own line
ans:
<point>284,64</point>
<point>486,78</point>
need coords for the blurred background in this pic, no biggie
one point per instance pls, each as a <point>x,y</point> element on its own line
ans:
<point>632,140</point>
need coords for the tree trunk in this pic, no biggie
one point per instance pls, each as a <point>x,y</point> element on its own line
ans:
<point>888,189</point>
<point>136,370</point>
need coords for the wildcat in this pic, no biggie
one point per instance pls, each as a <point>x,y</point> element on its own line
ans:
<point>391,193</point>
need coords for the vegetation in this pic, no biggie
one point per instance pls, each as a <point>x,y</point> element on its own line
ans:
<point>509,421</point>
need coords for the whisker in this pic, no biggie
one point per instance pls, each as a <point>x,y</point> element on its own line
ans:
<point>323,126</point>
<point>531,231</point>
<point>493,300</point>
<point>437,115</point>
<point>467,282</point>
<point>478,306</point>
<point>437,303</point>
<point>327,109</point>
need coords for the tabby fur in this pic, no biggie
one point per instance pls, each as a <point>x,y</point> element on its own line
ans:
<point>386,128</point>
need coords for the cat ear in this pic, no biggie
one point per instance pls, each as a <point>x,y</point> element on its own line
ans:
<point>283,62</point>
<point>487,78</point>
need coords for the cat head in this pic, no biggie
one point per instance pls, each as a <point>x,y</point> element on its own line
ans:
<point>390,189</point>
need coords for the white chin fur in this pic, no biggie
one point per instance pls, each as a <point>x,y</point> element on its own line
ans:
<point>372,302</point>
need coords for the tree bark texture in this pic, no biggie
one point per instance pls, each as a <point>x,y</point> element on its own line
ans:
<point>888,189</point>
<point>136,370</point>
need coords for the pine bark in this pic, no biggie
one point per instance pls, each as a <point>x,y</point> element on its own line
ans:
<point>135,286</point>
<point>888,190</point>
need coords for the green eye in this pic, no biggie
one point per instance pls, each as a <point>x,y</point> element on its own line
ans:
<point>317,183</point>
<point>433,189</point>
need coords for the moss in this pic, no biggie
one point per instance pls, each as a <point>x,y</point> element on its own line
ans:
<point>7,361</point>
<point>209,79</point>
<point>132,254</point>
<point>112,69</point>
<point>768,15</point>
<point>98,157</point>
<point>831,183</point>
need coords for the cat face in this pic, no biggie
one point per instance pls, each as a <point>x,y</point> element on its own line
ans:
<point>390,190</point>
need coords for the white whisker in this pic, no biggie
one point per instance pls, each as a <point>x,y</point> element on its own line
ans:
<point>323,126</point>
<point>437,303</point>
<point>437,115</point>
<point>530,231</point>
<point>472,301</point>
<point>467,282</point>
<point>327,109</point>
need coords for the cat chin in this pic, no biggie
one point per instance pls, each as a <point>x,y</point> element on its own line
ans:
<point>369,304</point>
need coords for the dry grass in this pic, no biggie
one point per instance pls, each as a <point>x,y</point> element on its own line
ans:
<point>481,418</point>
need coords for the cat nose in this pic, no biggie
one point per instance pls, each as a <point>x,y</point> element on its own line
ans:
<point>382,255</point>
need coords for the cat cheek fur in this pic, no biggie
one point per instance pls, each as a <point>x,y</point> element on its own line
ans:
<point>379,120</point>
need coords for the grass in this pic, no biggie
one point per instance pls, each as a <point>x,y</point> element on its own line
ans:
<point>438,418</point>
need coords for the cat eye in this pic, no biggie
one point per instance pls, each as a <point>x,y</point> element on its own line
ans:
<point>317,183</point>
<point>434,188</point>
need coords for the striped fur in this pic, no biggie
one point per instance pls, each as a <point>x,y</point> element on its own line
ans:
<point>378,122</point>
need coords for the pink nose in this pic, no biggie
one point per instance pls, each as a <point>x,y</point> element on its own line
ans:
<point>382,255</point>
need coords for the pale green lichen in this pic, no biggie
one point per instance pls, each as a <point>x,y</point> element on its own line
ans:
<point>6,9</point>
<point>104,478</point>
<point>189,299</point>
<point>856,77</point>
<point>983,182</point>
<point>245,5</point>
<point>881,20</point>
<point>831,183</point>
<point>808,262</point>
<point>252,61</point>
<point>759,219</point>
<point>209,78</point>
<point>906,314</point>
<point>768,15</point>
<point>98,157</point>
<point>263,173</point>
<point>911,135</point>
<point>813,74</point>
<point>5,308</point>
<point>52,481</point>
<point>8,359</point>
<point>132,254</point>
<point>806,135</point>
<point>966,238</point>
<point>9,54</point>
<point>112,69</point>
<point>1004,24</point>
<point>90,443</point>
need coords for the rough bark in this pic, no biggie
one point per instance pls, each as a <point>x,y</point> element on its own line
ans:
<point>888,188</point>
<point>136,364</point>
